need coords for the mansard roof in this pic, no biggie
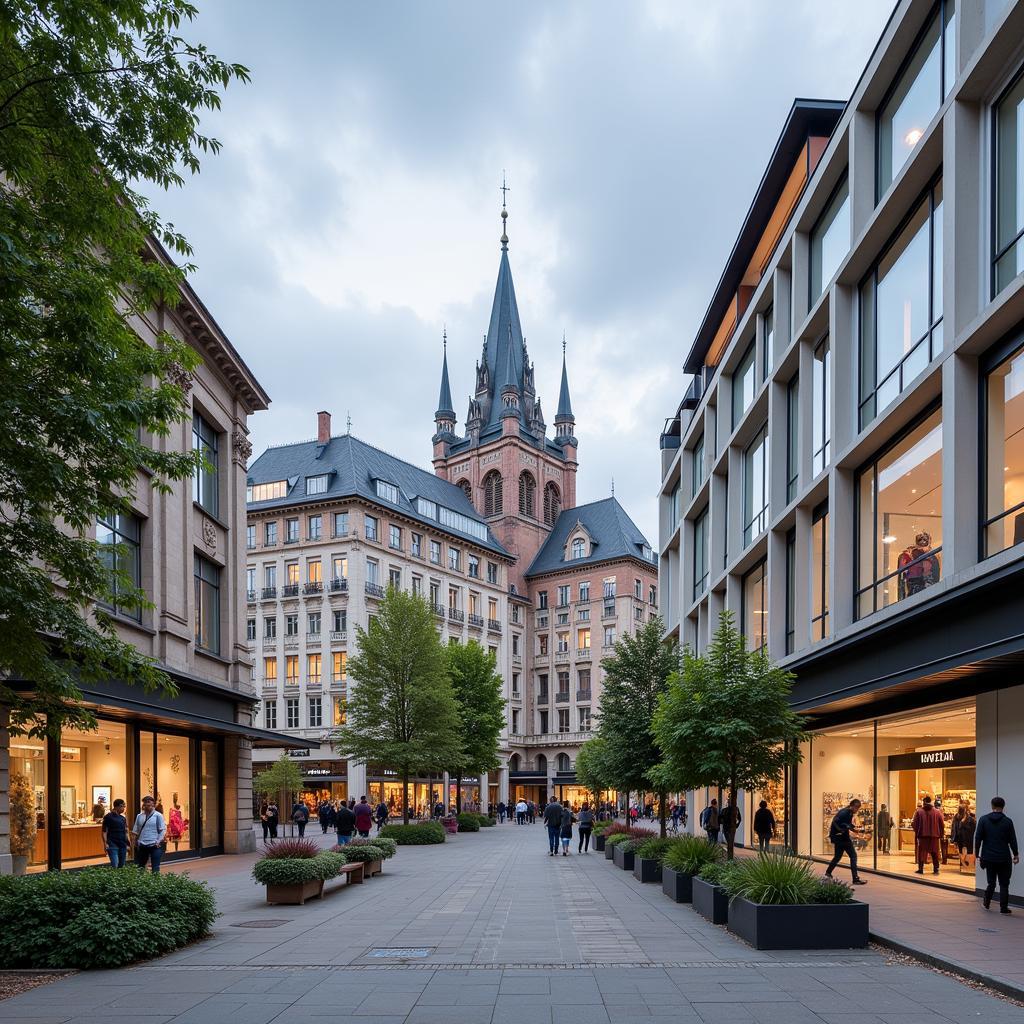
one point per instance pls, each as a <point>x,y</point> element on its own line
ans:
<point>613,535</point>
<point>353,468</point>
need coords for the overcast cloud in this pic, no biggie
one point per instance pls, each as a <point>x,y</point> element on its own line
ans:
<point>354,208</point>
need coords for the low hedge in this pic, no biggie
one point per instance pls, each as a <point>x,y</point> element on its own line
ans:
<point>387,846</point>
<point>468,822</point>
<point>617,837</point>
<point>601,826</point>
<point>98,917</point>
<point>423,834</point>
<point>298,870</point>
<point>486,822</point>
<point>362,853</point>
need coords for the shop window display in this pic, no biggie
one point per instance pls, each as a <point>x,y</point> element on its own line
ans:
<point>28,759</point>
<point>93,774</point>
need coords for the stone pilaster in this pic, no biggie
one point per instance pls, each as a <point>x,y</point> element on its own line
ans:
<point>238,832</point>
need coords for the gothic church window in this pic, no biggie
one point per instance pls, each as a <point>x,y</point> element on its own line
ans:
<point>527,494</point>
<point>552,504</point>
<point>492,494</point>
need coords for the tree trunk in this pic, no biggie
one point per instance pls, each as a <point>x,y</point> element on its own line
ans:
<point>405,797</point>
<point>662,797</point>
<point>458,794</point>
<point>730,832</point>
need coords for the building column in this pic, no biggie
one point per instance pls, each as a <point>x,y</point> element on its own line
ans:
<point>6,863</point>
<point>239,836</point>
<point>356,773</point>
<point>503,785</point>
<point>485,792</point>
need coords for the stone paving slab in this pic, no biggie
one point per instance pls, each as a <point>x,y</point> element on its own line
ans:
<point>514,937</point>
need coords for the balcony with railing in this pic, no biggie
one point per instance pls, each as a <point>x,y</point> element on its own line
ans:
<point>339,585</point>
<point>583,654</point>
<point>290,590</point>
<point>440,611</point>
<point>313,587</point>
<point>548,739</point>
<point>374,589</point>
<point>269,689</point>
<point>561,656</point>
<point>542,697</point>
<point>250,596</point>
<point>313,638</point>
<point>475,621</point>
<point>562,697</point>
<point>493,626</point>
<point>292,640</point>
<point>339,636</point>
<point>542,620</point>
<point>456,615</point>
<point>270,593</point>
<point>517,659</point>
<point>583,694</point>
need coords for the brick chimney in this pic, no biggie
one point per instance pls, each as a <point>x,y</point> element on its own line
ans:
<point>323,427</point>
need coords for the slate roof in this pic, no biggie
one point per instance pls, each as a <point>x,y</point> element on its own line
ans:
<point>354,467</point>
<point>613,535</point>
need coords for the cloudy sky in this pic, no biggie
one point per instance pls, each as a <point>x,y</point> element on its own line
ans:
<point>353,211</point>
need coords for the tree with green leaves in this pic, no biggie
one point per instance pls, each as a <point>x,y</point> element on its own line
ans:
<point>592,768</point>
<point>98,101</point>
<point>726,721</point>
<point>477,684</point>
<point>634,678</point>
<point>283,776</point>
<point>402,712</point>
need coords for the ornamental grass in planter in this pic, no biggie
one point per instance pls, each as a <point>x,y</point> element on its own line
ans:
<point>777,902</point>
<point>710,898</point>
<point>99,918</point>
<point>425,833</point>
<point>650,854</point>
<point>294,870</point>
<point>682,861</point>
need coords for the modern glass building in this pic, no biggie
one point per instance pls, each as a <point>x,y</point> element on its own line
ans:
<point>845,472</point>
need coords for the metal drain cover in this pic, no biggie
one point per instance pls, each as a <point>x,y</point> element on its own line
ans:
<point>266,922</point>
<point>401,953</point>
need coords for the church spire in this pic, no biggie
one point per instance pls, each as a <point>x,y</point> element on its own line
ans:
<point>444,398</point>
<point>565,421</point>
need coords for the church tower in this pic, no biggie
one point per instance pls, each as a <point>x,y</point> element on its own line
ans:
<point>517,477</point>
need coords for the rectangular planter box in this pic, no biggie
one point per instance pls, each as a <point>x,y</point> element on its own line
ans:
<point>622,858</point>
<point>294,895</point>
<point>609,851</point>
<point>677,886</point>
<point>647,869</point>
<point>816,926</point>
<point>599,842</point>
<point>373,867</point>
<point>710,901</point>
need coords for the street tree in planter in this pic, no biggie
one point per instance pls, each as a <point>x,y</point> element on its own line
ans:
<point>725,720</point>
<point>100,106</point>
<point>283,776</point>
<point>477,685</point>
<point>634,678</point>
<point>402,712</point>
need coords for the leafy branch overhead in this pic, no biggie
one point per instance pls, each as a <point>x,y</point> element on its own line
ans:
<point>97,101</point>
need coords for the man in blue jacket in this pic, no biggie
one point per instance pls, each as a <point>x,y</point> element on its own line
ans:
<point>995,846</point>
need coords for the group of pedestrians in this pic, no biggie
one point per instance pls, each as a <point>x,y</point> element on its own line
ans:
<point>526,812</point>
<point>146,838</point>
<point>346,818</point>
<point>720,822</point>
<point>559,819</point>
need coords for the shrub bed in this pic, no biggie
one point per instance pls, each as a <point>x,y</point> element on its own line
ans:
<point>387,846</point>
<point>656,848</point>
<point>468,822</point>
<point>361,853</point>
<point>688,854</point>
<point>298,870</point>
<point>98,917</point>
<point>486,822</point>
<point>423,834</point>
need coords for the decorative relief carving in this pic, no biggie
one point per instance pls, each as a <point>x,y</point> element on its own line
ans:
<point>493,457</point>
<point>527,460</point>
<point>209,534</point>
<point>177,374</point>
<point>241,446</point>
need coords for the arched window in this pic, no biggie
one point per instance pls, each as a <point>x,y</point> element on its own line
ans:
<point>466,488</point>
<point>527,494</point>
<point>563,762</point>
<point>578,548</point>
<point>513,763</point>
<point>542,763</point>
<point>552,504</point>
<point>492,494</point>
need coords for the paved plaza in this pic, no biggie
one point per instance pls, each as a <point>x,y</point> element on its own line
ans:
<point>484,930</point>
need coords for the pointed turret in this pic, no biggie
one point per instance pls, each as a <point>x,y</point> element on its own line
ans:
<point>565,422</point>
<point>444,417</point>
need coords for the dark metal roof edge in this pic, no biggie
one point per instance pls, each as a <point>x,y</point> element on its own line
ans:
<point>805,115</point>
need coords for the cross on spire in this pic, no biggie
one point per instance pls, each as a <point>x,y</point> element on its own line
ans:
<point>504,187</point>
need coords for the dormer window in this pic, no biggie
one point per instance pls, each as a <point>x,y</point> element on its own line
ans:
<point>578,549</point>
<point>389,492</point>
<point>316,484</point>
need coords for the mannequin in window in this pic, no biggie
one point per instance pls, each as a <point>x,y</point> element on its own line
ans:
<point>918,566</point>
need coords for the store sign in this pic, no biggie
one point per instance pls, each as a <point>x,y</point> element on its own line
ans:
<point>299,753</point>
<point>317,771</point>
<point>951,757</point>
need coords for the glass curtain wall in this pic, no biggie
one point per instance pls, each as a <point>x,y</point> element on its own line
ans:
<point>755,607</point>
<point>744,384</point>
<point>1008,259</point>
<point>755,487</point>
<point>1004,456</point>
<point>819,573</point>
<point>821,412</point>
<point>830,240</point>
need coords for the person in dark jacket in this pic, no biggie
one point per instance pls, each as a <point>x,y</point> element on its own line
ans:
<point>729,819</point>
<point>586,827</point>
<point>565,827</point>
<point>364,817</point>
<point>344,823</point>
<point>264,821</point>
<point>709,821</point>
<point>501,812</point>
<point>381,815</point>
<point>764,825</point>
<point>323,815</point>
<point>962,829</point>
<point>995,846</point>
<point>273,816</point>
<point>839,835</point>
<point>553,821</point>
<point>300,815</point>
<point>885,826</point>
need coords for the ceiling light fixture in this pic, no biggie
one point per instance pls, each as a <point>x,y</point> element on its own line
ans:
<point>888,539</point>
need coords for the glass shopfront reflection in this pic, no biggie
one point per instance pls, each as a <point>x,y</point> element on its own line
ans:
<point>28,766</point>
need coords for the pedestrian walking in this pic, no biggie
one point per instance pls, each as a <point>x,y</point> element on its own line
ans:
<point>885,827</point>
<point>344,823</point>
<point>842,842</point>
<point>115,834</point>
<point>273,816</point>
<point>586,828</point>
<point>323,815</point>
<point>531,811</point>
<point>149,831</point>
<point>553,821</point>
<point>962,830</point>
<point>565,830</point>
<point>364,817</point>
<point>928,829</point>
<point>439,809</point>
<point>995,846</point>
<point>676,813</point>
<point>501,812</point>
<point>729,819</point>
<point>264,820</point>
<point>300,816</point>
<point>764,826</point>
<point>521,812</point>
<point>709,821</point>
<point>381,815</point>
